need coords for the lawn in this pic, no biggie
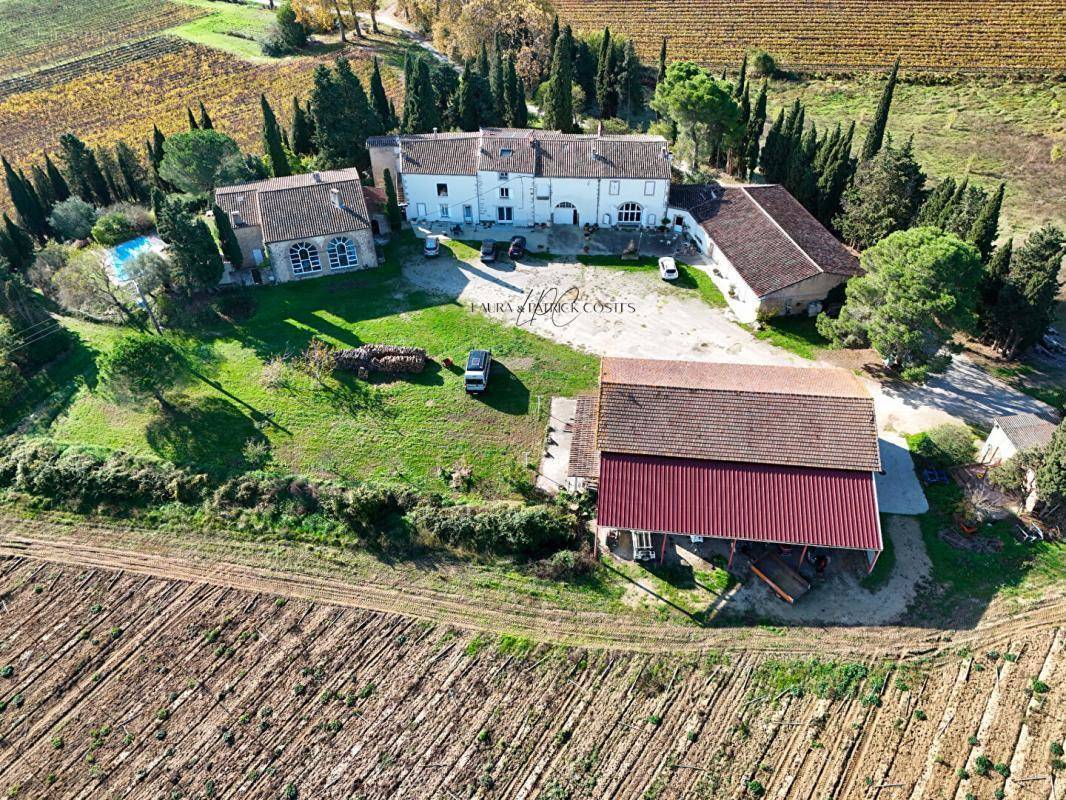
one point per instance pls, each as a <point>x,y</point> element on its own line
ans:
<point>967,580</point>
<point>797,334</point>
<point>235,28</point>
<point>690,278</point>
<point>404,429</point>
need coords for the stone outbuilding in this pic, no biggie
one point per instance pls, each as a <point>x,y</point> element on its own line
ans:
<point>299,226</point>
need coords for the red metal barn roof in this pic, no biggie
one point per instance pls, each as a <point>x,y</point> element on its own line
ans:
<point>727,500</point>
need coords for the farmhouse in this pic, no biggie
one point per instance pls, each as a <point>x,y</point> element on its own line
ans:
<point>767,253</point>
<point>1014,434</point>
<point>527,177</point>
<point>300,226</point>
<point>776,461</point>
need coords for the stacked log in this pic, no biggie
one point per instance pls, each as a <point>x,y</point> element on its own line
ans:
<point>381,358</point>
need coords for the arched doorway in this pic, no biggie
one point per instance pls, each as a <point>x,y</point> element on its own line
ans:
<point>565,213</point>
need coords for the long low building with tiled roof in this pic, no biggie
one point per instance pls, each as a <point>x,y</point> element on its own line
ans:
<point>310,225</point>
<point>763,455</point>
<point>524,177</point>
<point>768,254</point>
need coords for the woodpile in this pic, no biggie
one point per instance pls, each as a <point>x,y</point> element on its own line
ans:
<point>381,358</point>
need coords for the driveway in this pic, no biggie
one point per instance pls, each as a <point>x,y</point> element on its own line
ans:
<point>898,489</point>
<point>633,313</point>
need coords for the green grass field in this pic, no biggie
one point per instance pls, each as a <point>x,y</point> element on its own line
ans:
<point>227,26</point>
<point>797,334</point>
<point>989,130</point>
<point>690,278</point>
<point>404,428</point>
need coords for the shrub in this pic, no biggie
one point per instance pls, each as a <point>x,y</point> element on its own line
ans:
<point>566,565</point>
<point>73,218</point>
<point>946,445</point>
<point>139,217</point>
<point>502,528</point>
<point>11,382</point>
<point>112,229</point>
<point>762,63</point>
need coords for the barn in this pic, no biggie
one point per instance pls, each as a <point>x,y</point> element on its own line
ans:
<point>777,461</point>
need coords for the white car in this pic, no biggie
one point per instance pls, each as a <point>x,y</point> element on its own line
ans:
<point>667,269</point>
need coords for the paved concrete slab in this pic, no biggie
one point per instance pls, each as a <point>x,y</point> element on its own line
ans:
<point>555,461</point>
<point>898,491</point>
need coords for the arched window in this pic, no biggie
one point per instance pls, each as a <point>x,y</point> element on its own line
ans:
<point>341,253</point>
<point>304,258</point>
<point>629,214</point>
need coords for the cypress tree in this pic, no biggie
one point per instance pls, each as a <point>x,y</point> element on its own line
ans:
<point>205,118</point>
<point>420,110</point>
<point>392,205</point>
<point>875,136</point>
<point>662,63</point>
<point>43,188</point>
<point>272,144</point>
<point>774,156</point>
<point>483,62</point>
<point>227,239</point>
<point>18,244</point>
<point>510,95</point>
<point>521,119</point>
<point>468,116</point>
<point>753,134</point>
<point>553,38</point>
<point>94,176</point>
<point>992,284</point>
<point>193,124</point>
<point>497,84</point>
<point>559,100</point>
<point>300,139</point>
<point>195,253</point>
<point>132,172</point>
<point>933,207</point>
<point>379,101</point>
<point>605,90</point>
<point>983,232</point>
<point>742,77</point>
<point>26,202</point>
<point>950,207</point>
<point>60,189</point>
<point>112,177</point>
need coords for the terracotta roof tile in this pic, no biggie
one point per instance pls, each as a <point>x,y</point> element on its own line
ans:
<point>790,416</point>
<point>584,457</point>
<point>770,239</point>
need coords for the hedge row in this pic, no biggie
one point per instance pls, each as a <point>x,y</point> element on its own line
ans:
<point>86,478</point>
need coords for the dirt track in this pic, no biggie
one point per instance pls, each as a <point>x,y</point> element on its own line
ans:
<point>253,567</point>
<point>130,686</point>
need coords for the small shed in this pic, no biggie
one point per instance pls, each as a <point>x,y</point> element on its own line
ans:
<point>1015,434</point>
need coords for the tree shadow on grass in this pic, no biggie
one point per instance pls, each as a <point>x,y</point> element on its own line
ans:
<point>208,433</point>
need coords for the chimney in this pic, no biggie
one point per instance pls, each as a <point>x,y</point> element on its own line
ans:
<point>595,154</point>
<point>335,197</point>
<point>664,151</point>
<point>316,177</point>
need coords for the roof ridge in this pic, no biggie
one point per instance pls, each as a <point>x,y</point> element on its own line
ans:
<point>766,392</point>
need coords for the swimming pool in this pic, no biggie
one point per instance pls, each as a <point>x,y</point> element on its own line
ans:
<point>122,253</point>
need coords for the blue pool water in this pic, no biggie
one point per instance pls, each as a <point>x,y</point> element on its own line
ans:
<point>122,253</point>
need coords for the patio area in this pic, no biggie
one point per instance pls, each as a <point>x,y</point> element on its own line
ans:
<point>570,240</point>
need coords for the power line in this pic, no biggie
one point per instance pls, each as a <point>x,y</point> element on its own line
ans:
<point>40,335</point>
<point>45,321</point>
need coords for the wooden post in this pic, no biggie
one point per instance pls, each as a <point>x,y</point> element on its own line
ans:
<point>662,552</point>
<point>803,555</point>
<point>732,552</point>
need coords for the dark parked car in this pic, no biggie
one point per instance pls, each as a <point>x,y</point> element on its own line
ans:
<point>488,250</point>
<point>432,248</point>
<point>518,247</point>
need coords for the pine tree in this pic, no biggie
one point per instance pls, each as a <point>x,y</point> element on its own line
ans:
<point>875,136</point>
<point>300,139</point>
<point>272,144</point>
<point>558,111</point>
<point>60,189</point>
<point>205,118</point>
<point>227,239</point>
<point>742,77</point>
<point>27,204</point>
<point>605,89</point>
<point>985,228</point>
<point>132,172</point>
<point>18,245</point>
<point>392,205</point>
<point>193,124</point>
<point>379,101</point>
